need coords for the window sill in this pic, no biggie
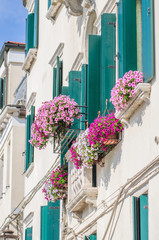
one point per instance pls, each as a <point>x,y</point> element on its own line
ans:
<point>142,94</point>
<point>30,60</point>
<point>29,170</point>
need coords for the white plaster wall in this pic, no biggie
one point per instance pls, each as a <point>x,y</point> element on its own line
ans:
<point>134,152</point>
<point>15,56</point>
<point>15,75</point>
<point>14,192</point>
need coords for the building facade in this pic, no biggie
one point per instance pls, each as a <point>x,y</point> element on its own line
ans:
<point>12,131</point>
<point>80,49</point>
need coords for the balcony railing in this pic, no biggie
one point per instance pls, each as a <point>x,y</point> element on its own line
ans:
<point>80,187</point>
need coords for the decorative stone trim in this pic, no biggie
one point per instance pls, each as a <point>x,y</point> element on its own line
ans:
<point>77,64</point>
<point>53,10</point>
<point>142,94</point>
<point>31,101</point>
<point>30,5</point>
<point>80,190</point>
<point>28,218</point>
<point>86,3</point>
<point>87,196</point>
<point>29,170</point>
<point>108,8</point>
<point>58,52</point>
<point>74,7</point>
<point>30,59</point>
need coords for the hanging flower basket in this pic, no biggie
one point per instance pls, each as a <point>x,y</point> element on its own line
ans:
<point>83,154</point>
<point>53,119</point>
<point>124,89</point>
<point>103,132</point>
<point>56,187</point>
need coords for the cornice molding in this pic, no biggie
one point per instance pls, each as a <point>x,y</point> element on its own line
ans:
<point>58,52</point>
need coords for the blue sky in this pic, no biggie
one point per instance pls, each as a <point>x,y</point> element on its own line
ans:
<point>12,21</point>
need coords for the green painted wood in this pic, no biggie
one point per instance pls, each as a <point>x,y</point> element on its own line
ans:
<point>127,35</point>
<point>54,220</point>
<point>144,217</point>
<point>108,63</point>
<point>28,234</point>
<point>147,40</point>
<point>136,218</point>
<point>84,95</point>
<point>31,150</point>
<point>4,90</point>
<point>1,93</point>
<point>54,83</point>
<point>27,153</point>
<point>94,176</point>
<point>93,80</point>
<point>65,90</point>
<point>44,223</point>
<point>93,237</point>
<point>61,77</point>
<point>49,3</point>
<point>75,91</point>
<point>30,32</point>
<point>50,221</point>
<point>58,78</point>
<point>36,23</point>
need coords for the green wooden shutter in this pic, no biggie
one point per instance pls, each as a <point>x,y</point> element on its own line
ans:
<point>127,36</point>
<point>27,152</point>
<point>84,95</point>
<point>36,23</point>
<point>54,82</point>
<point>44,223</point>
<point>30,32</point>
<point>28,234</point>
<point>58,77</point>
<point>49,3</point>
<point>75,91</point>
<point>93,237</point>
<point>1,93</point>
<point>108,65</point>
<point>136,218</point>
<point>93,81</point>
<point>144,217</point>
<point>65,90</point>
<point>147,40</point>
<point>50,221</point>
<point>4,90</point>
<point>31,149</point>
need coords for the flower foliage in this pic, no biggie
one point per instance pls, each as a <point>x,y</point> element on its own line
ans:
<point>56,187</point>
<point>124,89</point>
<point>53,119</point>
<point>82,153</point>
<point>101,129</point>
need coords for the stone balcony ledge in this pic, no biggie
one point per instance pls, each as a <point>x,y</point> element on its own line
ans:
<point>142,94</point>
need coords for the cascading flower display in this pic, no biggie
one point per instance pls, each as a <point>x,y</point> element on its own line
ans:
<point>53,118</point>
<point>103,128</point>
<point>124,89</point>
<point>56,187</point>
<point>83,154</point>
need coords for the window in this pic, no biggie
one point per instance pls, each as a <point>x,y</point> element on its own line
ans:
<point>32,28</point>
<point>136,42</point>
<point>140,217</point>
<point>2,92</point>
<point>29,155</point>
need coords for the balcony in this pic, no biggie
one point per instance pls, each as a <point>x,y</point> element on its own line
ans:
<point>142,94</point>
<point>80,190</point>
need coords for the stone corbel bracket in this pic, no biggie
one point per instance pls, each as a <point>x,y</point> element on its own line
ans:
<point>30,59</point>
<point>53,10</point>
<point>74,7</point>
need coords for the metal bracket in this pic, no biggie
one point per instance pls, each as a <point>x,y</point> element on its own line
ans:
<point>110,66</point>
<point>116,56</point>
<point>112,24</point>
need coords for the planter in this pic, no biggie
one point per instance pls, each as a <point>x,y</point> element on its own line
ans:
<point>112,139</point>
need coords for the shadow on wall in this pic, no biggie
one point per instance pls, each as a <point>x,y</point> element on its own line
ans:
<point>138,115</point>
<point>111,161</point>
